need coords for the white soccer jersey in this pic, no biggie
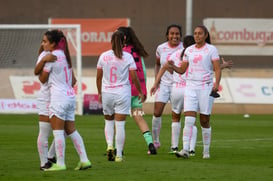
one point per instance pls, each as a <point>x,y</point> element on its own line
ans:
<point>116,71</point>
<point>200,70</point>
<point>163,52</point>
<point>178,79</point>
<point>43,94</point>
<point>60,78</point>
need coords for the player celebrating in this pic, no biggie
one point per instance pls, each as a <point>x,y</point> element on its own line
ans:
<point>163,93</point>
<point>61,80</point>
<point>201,59</point>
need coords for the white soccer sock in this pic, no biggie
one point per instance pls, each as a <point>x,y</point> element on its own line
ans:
<point>79,145</point>
<point>120,136</point>
<point>176,127</point>
<point>193,138</point>
<point>42,141</point>
<point>206,134</point>
<point>52,151</point>
<point>59,146</point>
<point>109,131</point>
<point>156,126</point>
<point>187,132</point>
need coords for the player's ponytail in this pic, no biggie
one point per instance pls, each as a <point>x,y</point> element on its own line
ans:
<point>63,45</point>
<point>57,37</point>
<point>117,42</point>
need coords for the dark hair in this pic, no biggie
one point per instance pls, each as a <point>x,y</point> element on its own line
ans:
<point>117,42</point>
<point>57,37</point>
<point>208,39</point>
<point>131,39</point>
<point>187,41</point>
<point>174,26</point>
<point>204,28</point>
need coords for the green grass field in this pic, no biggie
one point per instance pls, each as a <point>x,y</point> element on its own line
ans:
<point>242,149</point>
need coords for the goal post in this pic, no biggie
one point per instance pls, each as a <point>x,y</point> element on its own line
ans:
<point>19,52</point>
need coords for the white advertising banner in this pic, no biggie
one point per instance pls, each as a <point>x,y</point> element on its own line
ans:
<point>225,96</point>
<point>232,90</point>
<point>241,36</point>
<point>223,90</point>
<point>18,106</point>
<point>27,87</point>
<point>251,90</point>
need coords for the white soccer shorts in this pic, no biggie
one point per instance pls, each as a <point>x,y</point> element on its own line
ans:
<point>163,93</point>
<point>115,103</point>
<point>198,100</point>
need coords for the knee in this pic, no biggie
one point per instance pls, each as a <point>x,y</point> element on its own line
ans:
<point>189,121</point>
<point>205,124</point>
<point>204,121</point>
<point>158,112</point>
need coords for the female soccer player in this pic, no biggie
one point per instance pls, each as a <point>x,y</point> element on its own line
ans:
<point>202,61</point>
<point>114,90</point>
<point>177,92</point>
<point>163,93</point>
<point>43,99</point>
<point>136,49</point>
<point>61,80</point>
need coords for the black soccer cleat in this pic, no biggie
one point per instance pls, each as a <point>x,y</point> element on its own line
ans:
<point>152,149</point>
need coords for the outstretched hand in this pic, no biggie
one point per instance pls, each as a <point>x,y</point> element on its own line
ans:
<point>227,64</point>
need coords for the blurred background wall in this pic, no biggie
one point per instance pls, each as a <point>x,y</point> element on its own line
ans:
<point>149,18</point>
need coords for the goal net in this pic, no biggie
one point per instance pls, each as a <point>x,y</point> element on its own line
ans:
<point>19,52</point>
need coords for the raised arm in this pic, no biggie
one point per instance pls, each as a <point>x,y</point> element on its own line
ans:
<point>43,76</point>
<point>182,69</point>
<point>39,66</point>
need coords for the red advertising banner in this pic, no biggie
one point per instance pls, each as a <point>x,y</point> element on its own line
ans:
<point>95,33</point>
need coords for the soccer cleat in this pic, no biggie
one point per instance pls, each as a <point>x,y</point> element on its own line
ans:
<point>110,154</point>
<point>115,152</point>
<point>46,166</point>
<point>182,153</point>
<point>206,156</point>
<point>192,153</point>
<point>118,159</point>
<point>157,145</point>
<point>55,167</point>
<point>152,149</point>
<point>52,160</point>
<point>83,165</point>
<point>173,150</point>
